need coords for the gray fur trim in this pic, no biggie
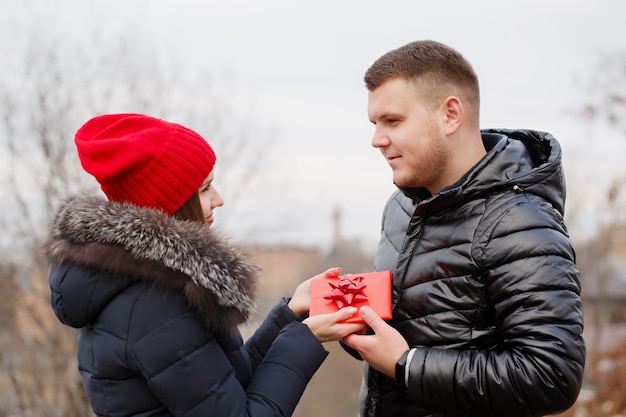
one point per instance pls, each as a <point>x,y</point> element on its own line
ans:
<point>187,247</point>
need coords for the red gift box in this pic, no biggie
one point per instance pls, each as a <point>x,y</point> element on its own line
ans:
<point>371,289</point>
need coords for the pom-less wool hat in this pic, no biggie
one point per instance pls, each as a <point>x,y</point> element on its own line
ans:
<point>143,160</point>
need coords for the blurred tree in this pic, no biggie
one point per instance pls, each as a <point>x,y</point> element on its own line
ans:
<point>601,260</point>
<point>607,369</point>
<point>607,91</point>
<point>48,88</point>
<point>54,87</point>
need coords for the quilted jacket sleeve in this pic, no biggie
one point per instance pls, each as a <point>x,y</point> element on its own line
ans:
<point>189,372</point>
<point>533,284</point>
<point>261,341</point>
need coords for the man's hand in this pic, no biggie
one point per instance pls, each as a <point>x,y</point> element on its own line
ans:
<point>381,349</point>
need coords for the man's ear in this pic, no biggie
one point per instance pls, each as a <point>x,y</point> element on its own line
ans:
<point>454,114</point>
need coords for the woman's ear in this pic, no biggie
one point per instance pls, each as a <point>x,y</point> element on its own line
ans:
<point>454,114</point>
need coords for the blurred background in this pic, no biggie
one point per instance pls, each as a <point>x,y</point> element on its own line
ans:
<point>276,87</point>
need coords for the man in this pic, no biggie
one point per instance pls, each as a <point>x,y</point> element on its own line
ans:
<point>487,317</point>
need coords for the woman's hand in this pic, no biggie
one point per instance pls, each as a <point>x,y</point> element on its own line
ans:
<point>301,299</point>
<point>327,327</point>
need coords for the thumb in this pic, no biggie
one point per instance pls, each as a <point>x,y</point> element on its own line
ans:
<point>332,272</point>
<point>372,319</point>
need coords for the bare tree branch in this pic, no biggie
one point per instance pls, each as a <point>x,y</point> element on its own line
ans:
<point>607,90</point>
<point>50,90</point>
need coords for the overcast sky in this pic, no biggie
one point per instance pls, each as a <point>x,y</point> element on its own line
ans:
<point>298,67</point>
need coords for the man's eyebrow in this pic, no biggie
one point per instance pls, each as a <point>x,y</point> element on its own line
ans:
<point>387,115</point>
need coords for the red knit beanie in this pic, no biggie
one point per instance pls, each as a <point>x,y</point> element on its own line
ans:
<point>145,161</point>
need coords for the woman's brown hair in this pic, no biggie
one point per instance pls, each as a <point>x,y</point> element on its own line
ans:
<point>191,210</point>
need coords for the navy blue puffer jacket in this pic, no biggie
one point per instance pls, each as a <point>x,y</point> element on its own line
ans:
<point>157,301</point>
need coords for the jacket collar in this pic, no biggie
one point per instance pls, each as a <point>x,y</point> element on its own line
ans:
<point>528,160</point>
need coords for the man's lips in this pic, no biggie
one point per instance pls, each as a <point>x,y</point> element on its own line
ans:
<point>391,158</point>
<point>386,153</point>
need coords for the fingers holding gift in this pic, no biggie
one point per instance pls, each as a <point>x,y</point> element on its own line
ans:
<point>329,327</point>
<point>380,349</point>
<point>301,299</point>
<point>330,273</point>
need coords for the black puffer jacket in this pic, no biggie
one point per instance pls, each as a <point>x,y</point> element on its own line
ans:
<point>158,301</point>
<point>485,288</point>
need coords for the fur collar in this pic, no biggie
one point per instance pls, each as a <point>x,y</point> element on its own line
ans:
<point>147,245</point>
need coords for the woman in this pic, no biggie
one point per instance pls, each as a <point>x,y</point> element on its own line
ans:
<point>158,296</point>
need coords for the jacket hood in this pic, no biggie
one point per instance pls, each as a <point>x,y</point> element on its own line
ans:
<point>528,160</point>
<point>135,244</point>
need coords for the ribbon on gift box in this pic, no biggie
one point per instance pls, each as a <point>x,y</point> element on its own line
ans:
<point>347,290</point>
